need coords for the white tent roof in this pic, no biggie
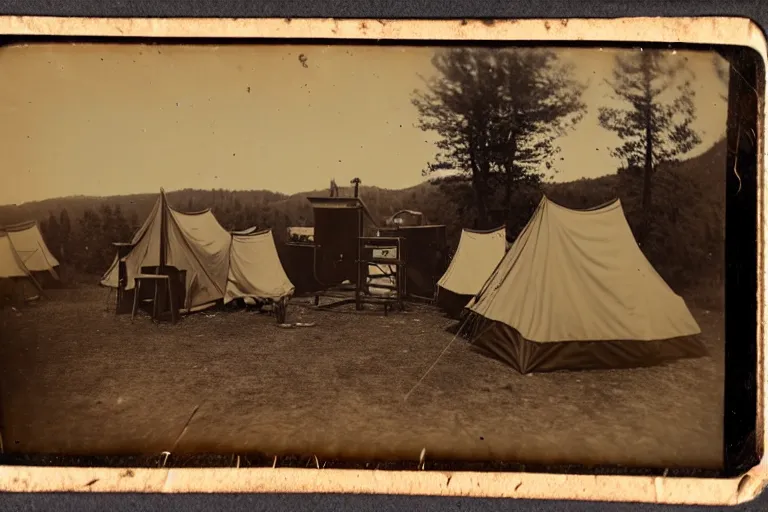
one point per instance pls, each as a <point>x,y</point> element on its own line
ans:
<point>31,248</point>
<point>580,276</point>
<point>477,255</point>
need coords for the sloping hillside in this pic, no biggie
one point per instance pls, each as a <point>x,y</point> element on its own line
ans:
<point>686,242</point>
<point>140,204</point>
<point>706,172</point>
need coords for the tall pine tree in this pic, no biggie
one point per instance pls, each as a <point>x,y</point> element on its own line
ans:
<point>65,234</point>
<point>655,121</point>
<point>53,235</point>
<point>90,243</point>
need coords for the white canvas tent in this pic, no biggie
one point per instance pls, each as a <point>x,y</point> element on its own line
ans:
<point>31,248</point>
<point>477,255</point>
<point>198,245</point>
<point>575,292</point>
<point>13,272</point>
<point>255,271</point>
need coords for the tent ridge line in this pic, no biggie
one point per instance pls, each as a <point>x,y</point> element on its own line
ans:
<point>20,226</point>
<point>595,209</point>
<point>485,231</point>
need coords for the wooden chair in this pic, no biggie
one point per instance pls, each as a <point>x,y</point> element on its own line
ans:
<point>166,287</point>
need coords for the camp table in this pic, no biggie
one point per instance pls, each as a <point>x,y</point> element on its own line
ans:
<point>159,281</point>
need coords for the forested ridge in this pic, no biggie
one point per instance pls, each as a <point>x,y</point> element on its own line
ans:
<point>687,241</point>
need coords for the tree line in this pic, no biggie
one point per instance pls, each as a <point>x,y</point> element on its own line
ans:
<point>500,112</point>
<point>85,243</point>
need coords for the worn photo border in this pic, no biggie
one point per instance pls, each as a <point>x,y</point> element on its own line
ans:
<point>656,489</point>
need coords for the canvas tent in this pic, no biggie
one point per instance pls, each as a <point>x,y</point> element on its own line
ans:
<point>198,246</point>
<point>32,249</point>
<point>255,271</point>
<point>477,255</point>
<point>13,272</point>
<point>575,292</point>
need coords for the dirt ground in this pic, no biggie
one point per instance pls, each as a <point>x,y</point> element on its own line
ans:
<point>76,379</point>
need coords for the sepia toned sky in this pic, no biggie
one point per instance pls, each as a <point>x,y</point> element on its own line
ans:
<point>121,119</point>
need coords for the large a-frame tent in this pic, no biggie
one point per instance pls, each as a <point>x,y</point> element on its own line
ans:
<point>14,274</point>
<point>575,292</point>
<point>32,249</point>
<point>218,266</point>
<point>477,255</point>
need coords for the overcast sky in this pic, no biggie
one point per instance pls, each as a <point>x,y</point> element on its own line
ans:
<point>122,119</point>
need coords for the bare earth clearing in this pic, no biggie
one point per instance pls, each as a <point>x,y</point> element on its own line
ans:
<point>75,379</point>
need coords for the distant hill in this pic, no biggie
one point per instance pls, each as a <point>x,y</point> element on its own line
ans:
<point>688,208</point>
<point>705,172</point>
<point>706,169</point>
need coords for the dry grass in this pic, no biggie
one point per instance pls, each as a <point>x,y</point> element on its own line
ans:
<point>76,379</point>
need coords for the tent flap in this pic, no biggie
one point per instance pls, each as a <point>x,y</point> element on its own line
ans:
<point>499,341</point>
<point>11,264</point>
<point>255,270</point>
<point>31,247</point>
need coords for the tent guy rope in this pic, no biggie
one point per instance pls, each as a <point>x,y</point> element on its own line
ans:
<point>461,328</point>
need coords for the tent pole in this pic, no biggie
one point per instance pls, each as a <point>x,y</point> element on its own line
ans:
<point>359,287</point>
<point>163,240</point>
<point>163,230</point>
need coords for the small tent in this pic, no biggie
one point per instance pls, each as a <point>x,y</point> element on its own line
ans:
<point>14,274</point>
<point>197,245</point>
<point>255,271</point>
<point>575,292</point>
<point>477,255</point>
<point>32,249</point>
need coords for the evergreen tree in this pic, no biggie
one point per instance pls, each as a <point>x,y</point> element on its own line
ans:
<point>65,234</point>
<point>134,223</point>
<point>108,234</point>
<point>656,122</point>
<point>53,235</point>
<point>91,251</point>
<point>122,229</point>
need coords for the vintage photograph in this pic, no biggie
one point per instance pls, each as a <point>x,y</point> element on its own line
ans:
<point>369,252</point>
